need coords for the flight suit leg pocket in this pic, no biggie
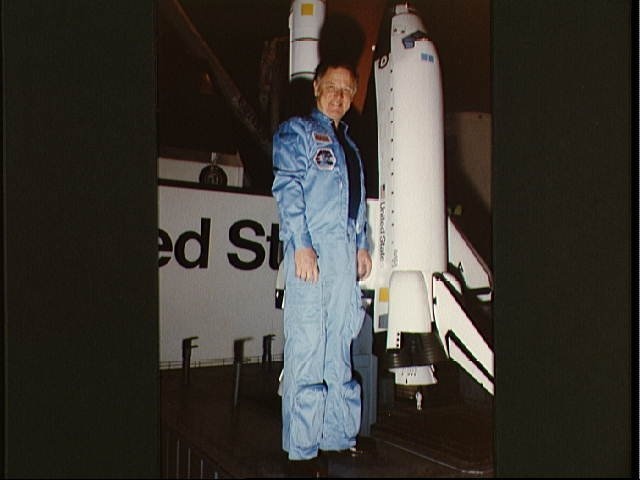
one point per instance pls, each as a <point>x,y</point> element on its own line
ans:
<point>352,403</point>
<point>306,428</point>
<point>357,312</point>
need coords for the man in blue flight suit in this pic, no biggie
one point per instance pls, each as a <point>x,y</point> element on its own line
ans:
<point>319,190</point>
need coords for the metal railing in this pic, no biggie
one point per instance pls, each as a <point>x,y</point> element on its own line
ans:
<point>181,459</point>
<point>215,362</point>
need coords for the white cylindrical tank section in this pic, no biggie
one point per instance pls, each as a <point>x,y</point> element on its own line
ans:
<point>306,18</point>
<point>417,195</point>
<point>413,173</point>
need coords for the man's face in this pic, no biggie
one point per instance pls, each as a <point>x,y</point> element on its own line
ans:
<point>334,92</point>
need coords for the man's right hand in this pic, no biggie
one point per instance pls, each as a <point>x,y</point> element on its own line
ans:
<point>306,264</point>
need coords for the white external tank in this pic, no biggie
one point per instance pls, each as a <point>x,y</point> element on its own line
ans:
<point>306,18</point>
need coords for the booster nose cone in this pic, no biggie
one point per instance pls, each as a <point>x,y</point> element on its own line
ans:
<point>306,18</point>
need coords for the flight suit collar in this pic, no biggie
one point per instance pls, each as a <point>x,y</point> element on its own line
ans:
<point>318,115</point>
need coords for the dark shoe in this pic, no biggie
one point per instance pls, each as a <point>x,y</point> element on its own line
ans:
<point>354,451</point>
<point>349,452</point>
<point>312,468</point>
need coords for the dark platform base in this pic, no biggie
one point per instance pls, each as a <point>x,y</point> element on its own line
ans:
<point>204,436</point>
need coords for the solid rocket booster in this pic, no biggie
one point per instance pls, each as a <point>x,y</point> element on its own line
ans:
<point>305,22</point>
<point>413,237</point>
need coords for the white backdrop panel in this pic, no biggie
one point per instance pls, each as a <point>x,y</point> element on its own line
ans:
<point>215,278</point>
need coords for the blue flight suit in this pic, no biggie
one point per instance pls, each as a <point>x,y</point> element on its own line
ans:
<point>320,400</point>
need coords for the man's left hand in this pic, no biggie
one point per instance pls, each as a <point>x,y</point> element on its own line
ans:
<point>364,264</point>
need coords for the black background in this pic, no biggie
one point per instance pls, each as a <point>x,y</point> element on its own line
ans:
<point>80,238</point>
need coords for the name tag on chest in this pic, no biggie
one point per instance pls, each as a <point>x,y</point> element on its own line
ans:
<point>321,137</point>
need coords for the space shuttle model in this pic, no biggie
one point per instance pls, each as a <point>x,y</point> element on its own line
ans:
<point>426,276</point>
<point>423,262</point>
